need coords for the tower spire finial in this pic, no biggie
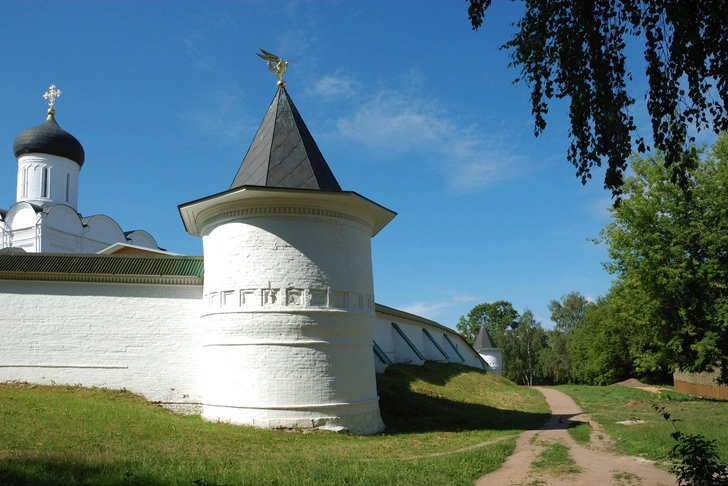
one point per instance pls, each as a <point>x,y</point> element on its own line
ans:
<point>51,96</point>
<point>276,65</point>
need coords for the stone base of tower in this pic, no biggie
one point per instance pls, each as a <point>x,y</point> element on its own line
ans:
<point>309,369</point>
<point>360,418</point>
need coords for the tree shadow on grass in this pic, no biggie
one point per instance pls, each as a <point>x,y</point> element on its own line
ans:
<point>52,470</point>
<point>405,411</point>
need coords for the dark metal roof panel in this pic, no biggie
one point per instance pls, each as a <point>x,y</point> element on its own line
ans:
<point>284,154</point>
<point>49,138</point>
<point>168,266</point>
<point>483,340</point>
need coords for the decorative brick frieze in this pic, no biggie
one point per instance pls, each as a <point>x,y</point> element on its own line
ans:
<point>292,298</point>
<point>294,211</point>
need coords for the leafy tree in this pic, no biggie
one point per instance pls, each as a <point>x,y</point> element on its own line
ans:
<point>576,50</point>
<point>632,314</point>
<point>568,314</point>
<point>496,316</point>
<point>599,347</point>
<point>521,349</point>
<point>554,358</point>
<point>669,250</point>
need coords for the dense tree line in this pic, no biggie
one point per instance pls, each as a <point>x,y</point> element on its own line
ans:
<point>668,305</point>
<point>531,354</point>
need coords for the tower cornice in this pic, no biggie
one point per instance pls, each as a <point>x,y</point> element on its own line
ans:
<point>254,201</point>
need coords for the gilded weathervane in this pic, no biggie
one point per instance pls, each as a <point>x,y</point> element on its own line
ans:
<point>276,65</point>
<point>51,96</point>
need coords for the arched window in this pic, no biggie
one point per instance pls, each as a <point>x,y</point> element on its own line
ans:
<point>24,182</point>
<point>46,183</point>
<point>68,185</point>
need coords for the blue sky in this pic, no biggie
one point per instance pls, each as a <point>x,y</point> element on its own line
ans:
<point>409,106</point>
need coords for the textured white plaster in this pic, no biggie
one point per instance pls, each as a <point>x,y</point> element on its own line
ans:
<point>144,338</point>
<point>494,359</point>
<point>379,367</point>
<point>64,218</point>
<point>451,350</point>
<point>288,342</point>
<point>398,351</point>
<point>58,228</point>
<point>102,228</point>
<point>21,216</point>
<point>431,352</point>
<point>141,238</point>
<point>62,170</point>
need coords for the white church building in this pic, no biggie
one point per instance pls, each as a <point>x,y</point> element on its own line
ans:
<point>45,215</point>
<point>276,326</point>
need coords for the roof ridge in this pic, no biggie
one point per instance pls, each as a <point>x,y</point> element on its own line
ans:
<point>101,255</point>
<point>283,152</point>
<point>484,340</point>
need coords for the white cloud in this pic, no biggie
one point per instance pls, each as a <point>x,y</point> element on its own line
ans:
<point>195,53</point>
<point>598,208</point>
<point>430,310</point>
<point>459,299</point>
<point>425,309</point>
<point>335,86</point>
<point>403,121</point>
<point>220,116</point>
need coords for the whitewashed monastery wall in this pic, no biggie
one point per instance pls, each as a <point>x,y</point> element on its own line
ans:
<point>144,338</point>
<point>420,340</point>
<point>149,339</point>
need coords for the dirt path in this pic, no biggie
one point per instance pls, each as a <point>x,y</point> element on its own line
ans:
<point>599,464</point>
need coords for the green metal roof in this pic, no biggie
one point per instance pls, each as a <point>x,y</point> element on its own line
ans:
<point>407,340</point>
<point>91,264</point>
<point>432,340</point>
<point>381,354</point>
<point>452,345</point>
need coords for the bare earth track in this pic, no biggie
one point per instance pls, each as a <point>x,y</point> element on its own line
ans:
<point>598,462</point>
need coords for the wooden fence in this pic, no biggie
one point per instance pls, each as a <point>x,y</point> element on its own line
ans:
<point>708,391</point>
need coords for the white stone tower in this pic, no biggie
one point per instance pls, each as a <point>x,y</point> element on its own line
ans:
<point>288,310</point>
<point>489,351</point>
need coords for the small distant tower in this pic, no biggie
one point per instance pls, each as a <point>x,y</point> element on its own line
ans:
<point>49,161</point>
<point>489,351</point>
<point>288,313</point>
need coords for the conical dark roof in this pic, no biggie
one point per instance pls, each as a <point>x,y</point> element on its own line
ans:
<point>49,138</point>
<point>483,340</point>
<point>284,154</point>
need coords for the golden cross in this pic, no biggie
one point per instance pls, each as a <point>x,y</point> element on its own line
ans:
<point>51,95</point>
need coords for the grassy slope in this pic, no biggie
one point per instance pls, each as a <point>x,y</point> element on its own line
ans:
<point>66,435</point>
<point>611,404</point>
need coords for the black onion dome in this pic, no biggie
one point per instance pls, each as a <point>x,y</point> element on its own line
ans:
<point>49,138</point>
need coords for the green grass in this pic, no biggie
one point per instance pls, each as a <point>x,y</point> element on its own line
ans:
<point>612,404</point>
<point>555,459</point>
<point>74,436</point>
<point>627,479</point>
<point>580,432</point>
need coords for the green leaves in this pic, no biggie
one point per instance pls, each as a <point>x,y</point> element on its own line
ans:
<point>496,316</point>
<point>669,250</point>
<point>568,314</point>
<point>577,50</point>
<point>695,459</point>
<point>522,350</point>
<point>520,336</point>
